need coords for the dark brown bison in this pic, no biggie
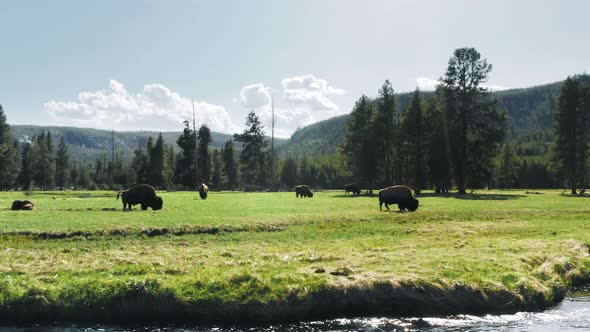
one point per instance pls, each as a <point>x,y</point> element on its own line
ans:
<point>303,191</point>
<point>203,191</point>
<point>352,188</point>
<point>22,205</point>
<point>142,194</point>
<point>400,195</point>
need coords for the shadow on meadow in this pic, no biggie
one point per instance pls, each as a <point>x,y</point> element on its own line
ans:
<point>475,197</point>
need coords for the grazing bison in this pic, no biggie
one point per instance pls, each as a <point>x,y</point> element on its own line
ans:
<point>352,188</point>
<point>142,194</point>
<point>400,195</point>
<point>303,191</point>
<point>22,205</point>
<point>203,190</point>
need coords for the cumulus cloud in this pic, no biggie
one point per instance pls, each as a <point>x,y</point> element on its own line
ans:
<point>429,84</point>
<point>304,101</point>
<point>154,108</point>
<point>254,96</point>
<point>309,91</point>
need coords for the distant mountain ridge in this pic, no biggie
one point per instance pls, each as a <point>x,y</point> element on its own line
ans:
<point>528,109</point>
<point>86,144</point>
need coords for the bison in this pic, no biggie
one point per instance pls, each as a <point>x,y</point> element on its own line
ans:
<point>142,194</point>
<point>400,195</point>
<point>203,190</point>
<point>22,205</point>
<point>352,188</point>
<point>303,191</point>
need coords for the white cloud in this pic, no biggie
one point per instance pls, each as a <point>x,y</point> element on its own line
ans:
<point>429,84</point>
<point>154,108</point>
<point>425,83</point>
<point>254,96</point>
<point>304,101</point>
<point>308,91</point>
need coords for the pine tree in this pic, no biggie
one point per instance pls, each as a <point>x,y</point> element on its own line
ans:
<point>414,136</point>
<point>386,125</point>
<point>157,161</point>
<point>571,123</point>
<point>508,167</point>
<point>61,164</point>
<point>476,128</point>
<point>44,164</point>
<point>140,166</point>
<point>230,167</point>
<point>360,147</point>
<point>289,172</point>
<point>25,178</point>
<point>185,162</point>
<point>204,156</point>
<point>9,159</point>
<point>216,177</point>
<point>252,157</point>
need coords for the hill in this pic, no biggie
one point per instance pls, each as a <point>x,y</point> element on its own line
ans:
<point>85,144</point>
<point>530,110</point>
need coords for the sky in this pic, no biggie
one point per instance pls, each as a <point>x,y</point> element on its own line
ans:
<point>139,65</point>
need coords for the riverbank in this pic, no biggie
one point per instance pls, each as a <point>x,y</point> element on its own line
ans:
<point>272,257</point>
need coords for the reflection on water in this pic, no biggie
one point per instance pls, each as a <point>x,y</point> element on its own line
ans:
<point>570,315</point>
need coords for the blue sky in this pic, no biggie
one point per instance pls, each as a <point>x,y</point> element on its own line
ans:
<point>133,65</point>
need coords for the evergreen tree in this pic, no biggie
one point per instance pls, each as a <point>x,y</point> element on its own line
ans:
<point>25,178</point>
<point>157,161</point>
<point>185,163</point>
<point>74,175</point>
<point>289,172</point>
<point>44,164</point>
<point>508,169</point>
<point>61,164</point>
<point>204,156</point>
<point>360,146</point>
<point>386,125</point>
<point>415,138</point>
<point>570,145</point>
<point>439,147</point>
<point>253,158</point>
<point>230,167</point>
<point>140,166</point>
<point>475,126</point>
<point>9,159</point>
<point>216,177</point>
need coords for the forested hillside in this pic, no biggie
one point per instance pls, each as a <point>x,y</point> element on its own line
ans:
<point>529,110</point>
<point>86,144</point>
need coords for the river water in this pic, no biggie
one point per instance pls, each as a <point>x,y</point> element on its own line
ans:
<point>573,314</point>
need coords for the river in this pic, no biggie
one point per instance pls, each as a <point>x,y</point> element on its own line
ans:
<point>573,314</point>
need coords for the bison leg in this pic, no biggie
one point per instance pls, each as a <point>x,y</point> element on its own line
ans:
<point>143,207</point>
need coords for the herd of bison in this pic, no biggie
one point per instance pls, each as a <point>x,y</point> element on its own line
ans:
<point>145,196</point>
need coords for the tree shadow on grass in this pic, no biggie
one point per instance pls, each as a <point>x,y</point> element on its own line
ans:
<point>475,197</point>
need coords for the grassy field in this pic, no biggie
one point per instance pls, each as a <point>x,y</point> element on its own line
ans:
<point>270,256</point>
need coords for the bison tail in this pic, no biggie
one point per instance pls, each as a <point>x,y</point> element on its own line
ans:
<point>119,193</point>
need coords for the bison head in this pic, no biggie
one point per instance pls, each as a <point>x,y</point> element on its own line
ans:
<point>157,203</point>
<point>413,205</point>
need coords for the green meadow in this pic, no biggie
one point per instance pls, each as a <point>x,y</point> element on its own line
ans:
<point>270,256</point>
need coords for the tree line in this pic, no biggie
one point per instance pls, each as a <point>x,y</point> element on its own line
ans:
<point>454,138</point>
<point>39,165</point>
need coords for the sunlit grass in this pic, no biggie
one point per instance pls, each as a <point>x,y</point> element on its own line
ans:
<point>271,247</point>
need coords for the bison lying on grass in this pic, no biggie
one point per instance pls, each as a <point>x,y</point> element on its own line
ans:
<point>22,205</point>
<point>143,194</point>
<point>303,191</point>
<point>352,188</point>
<point>203,190</point>
<point>400,195</point>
